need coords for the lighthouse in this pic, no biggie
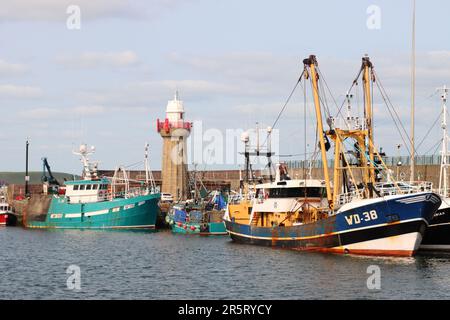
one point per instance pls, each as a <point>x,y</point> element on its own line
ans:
<point>174,130</point>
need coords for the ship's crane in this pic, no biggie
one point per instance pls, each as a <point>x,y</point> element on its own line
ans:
<point>47,175</point>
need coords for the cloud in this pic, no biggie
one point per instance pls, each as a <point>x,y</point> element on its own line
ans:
<point>100,59</point>
<point>19,92</point>
<point>255,66</point>
<point>11,69</point>
<point>157,92</point>
<point>55,113</point>
<point>190,87</point>
<point>55,10</point>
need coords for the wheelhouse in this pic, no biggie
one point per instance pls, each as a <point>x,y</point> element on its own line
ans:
<point>292,189</point>
<point>86,191</point>
<point>5,208</point>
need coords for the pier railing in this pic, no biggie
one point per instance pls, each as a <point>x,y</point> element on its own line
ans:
<point>131,193</point>
<point>108,196</point>
<point>388,189</point>
<point>237,198</point>
<point>167,125</point>
<point>389,161</point>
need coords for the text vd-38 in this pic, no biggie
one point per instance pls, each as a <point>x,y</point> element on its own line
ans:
<point>363,217</point>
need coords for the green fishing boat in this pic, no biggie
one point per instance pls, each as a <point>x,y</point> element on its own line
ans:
<point>96,203</point>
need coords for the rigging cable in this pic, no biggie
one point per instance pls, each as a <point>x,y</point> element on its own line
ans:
<point>436,145</point>
<point>328,88</point>
<point>355,82</point>
<point>429,131</point>
<point>392,113</point>
<point>287,101</point>
<point>390,105</point>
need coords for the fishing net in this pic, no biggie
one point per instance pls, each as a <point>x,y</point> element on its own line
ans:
<point>195,216</point>
<point>179,216</point>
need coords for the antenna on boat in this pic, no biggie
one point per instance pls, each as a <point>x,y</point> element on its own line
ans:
<point>349,97</point>
<point>89,168</point>
<point>241,182</point>
<point>148,174</point>
<point>443,178</point>
<point>257,138</point>
<point>245,138</point>
<point>413,91</point>
<point>27,177</point>
<point>269,152</point>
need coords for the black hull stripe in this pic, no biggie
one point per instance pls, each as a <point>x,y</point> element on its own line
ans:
<point>439,231</point>
<point>437,235</point>
<point>337,240</point>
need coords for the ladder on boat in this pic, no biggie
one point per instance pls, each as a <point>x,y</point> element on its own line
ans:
<point>255,220</point>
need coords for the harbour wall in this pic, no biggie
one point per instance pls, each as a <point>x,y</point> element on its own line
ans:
<point>229,179</point>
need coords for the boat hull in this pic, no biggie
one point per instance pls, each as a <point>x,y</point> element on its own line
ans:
<point>196,222</point>
<point>391,226</point>
<point>437,236</point>
<point>133,213</point>
<point>3,219</point>
<point>206,229</point>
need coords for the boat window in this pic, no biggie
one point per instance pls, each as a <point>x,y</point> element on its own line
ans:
<point>88,187</point>
<point>94,187</point>
<point>104,186</point>
<point>75,187</point>
<point>82,187</point>
<point>311,192</point>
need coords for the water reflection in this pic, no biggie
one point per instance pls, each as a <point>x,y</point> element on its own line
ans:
<point>159,265</point>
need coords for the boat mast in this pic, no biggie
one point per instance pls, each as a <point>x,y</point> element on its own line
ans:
<point>369,175</point>
<point>413,91</point>
<point>311,63</point>
<point>443,186</point>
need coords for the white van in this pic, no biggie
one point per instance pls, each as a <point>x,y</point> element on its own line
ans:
<point>166,197</point>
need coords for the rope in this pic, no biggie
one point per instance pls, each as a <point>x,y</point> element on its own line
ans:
<point>328,88</point>
<point>355,82</point>
<point>436,145</point>
<point>285,104</point>
<point>390,105</point>
<point>287,101</point>
<point>385,99</point>
<point>429,130</point>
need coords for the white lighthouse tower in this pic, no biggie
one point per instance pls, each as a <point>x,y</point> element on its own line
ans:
<point>174,130</point>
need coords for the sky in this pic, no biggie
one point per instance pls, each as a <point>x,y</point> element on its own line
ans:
<point>233,62</point>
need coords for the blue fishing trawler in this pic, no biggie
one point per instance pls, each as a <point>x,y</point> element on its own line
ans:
<point>288,215</point>
<point>96,203</point>
<point>348,214</point>
<point>203,218</point>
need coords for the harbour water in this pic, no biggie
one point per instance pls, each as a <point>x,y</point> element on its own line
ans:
<point>161,265</point>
